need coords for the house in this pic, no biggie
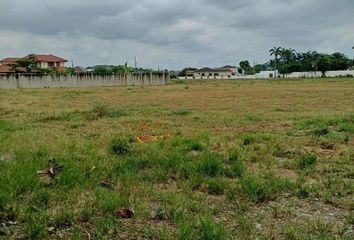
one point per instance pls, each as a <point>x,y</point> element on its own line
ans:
<point>43,62</point>
<point>79,70</point>
<point>6,69</point>
<point>267,74</point>
<point>222,72</point>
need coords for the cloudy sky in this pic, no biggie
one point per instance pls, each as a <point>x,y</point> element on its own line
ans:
<point>173,33</point>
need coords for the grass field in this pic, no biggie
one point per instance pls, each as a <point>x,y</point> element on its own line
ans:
<point>270,159</point>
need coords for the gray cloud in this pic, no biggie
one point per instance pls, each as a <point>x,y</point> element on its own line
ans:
<point>173,33</point>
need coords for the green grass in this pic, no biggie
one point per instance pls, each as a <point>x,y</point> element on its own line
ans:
<point>234,160</point>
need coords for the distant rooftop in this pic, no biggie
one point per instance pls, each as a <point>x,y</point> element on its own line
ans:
<point>39,57</point>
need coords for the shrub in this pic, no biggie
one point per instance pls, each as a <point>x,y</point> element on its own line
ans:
<point>119,146</point>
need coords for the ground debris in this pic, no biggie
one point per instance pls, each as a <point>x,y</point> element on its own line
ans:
<point>148,138</point>
<point>106,185</point>
<point>52,171</point>
<point>125,213</point>
<point>327,146</point>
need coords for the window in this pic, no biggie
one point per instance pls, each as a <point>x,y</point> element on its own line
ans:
<point>216,74</point>
<point>50,64</point>
<point>271,75</point>
<point>203,74</point>
<point>210,74</point>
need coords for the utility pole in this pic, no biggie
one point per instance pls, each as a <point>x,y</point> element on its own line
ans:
<point>135,62</point>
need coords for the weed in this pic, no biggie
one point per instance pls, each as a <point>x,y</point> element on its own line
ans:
<point>182,112</point>
<point>238,169</point>
<point>252,117</point>
<point>187,232</point>
<point>215,186</point>
<point>102,110</point>
<point>306,161</point>
<point>119,146</point>
<point>211,165</point>
<point>210,230</point>
<point>193,145</point>
<point>6,126</point>
<point>320,132</point>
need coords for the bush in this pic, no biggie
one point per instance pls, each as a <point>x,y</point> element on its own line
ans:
<point>119,146</point>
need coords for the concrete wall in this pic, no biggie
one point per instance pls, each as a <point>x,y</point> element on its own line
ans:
<point>265,74</point>
<point>343,73</point>
<point>12,82</point>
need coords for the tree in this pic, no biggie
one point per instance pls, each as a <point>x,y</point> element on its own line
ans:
<point>246,67</point>
<point>102,71</point>
<point>183,73</point>
<point>28,63</point>
<point>324,63</point>
<point>339,61</point>
<point>275,51</point>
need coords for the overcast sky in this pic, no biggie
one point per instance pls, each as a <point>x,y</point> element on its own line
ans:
<point>173,33</point>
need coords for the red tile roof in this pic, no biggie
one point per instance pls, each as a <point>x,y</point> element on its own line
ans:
<point>6,69</point>
<point>40,58</point>
<point>49,58</point>
<point>12,60</point>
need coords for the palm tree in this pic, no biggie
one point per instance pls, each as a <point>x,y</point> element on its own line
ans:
<point>275,51</point>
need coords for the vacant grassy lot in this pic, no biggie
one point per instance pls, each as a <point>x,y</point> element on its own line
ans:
<point>226,160</point>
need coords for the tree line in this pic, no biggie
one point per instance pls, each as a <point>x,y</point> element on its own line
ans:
<point>288,60</point>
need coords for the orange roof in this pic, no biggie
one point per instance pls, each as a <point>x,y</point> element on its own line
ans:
<point>6,69</point>
<point>10,60</point>
<point>40,58</point>
<point>49,58</point>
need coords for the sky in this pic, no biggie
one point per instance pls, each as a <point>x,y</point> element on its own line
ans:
<point>173,34</point>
